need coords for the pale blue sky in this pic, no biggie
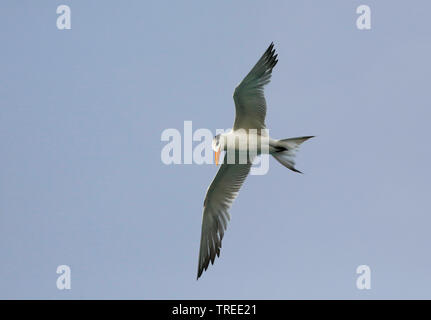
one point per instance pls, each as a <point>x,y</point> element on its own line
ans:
<point>82,183</point>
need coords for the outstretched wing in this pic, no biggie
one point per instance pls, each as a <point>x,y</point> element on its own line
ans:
<point>219,198</point>
<point>249,98</point>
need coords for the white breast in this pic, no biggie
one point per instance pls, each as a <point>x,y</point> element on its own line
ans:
<point>242,141</point>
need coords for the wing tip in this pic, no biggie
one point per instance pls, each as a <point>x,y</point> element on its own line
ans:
<point>296,170</point>
<point>271,57</point>
<point>270,47</point>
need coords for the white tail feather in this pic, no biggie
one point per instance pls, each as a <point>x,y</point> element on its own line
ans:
<point>288,149</point>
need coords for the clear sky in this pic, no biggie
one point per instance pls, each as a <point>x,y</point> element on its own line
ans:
<point>82,182</point>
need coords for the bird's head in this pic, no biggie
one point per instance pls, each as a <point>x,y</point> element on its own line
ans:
<point>218,147</point>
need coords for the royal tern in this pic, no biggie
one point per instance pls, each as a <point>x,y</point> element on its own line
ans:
<point>250,106</point>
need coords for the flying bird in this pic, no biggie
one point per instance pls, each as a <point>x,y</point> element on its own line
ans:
<point>250,106</point>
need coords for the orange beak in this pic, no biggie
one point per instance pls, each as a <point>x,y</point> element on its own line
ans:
<point>217,156</point>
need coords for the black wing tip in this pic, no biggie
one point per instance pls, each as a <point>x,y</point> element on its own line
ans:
<point>270,51</point>
<point>308,137</point>
<point>201,269</point>
<point>270,46</point>
<point>271,57</point>
<point>296,170</point>
<point>211,258</point>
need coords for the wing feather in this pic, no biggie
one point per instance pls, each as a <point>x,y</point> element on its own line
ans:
<point>219,198</point>
<point>250,104</point>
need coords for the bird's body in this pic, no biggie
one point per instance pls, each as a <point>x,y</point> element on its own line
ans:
<point>248,139</point>
<point>251,142</point>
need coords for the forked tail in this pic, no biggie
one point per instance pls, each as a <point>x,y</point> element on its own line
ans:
<point>286,150</point>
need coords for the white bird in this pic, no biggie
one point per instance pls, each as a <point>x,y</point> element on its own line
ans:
<point>249,126</point>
